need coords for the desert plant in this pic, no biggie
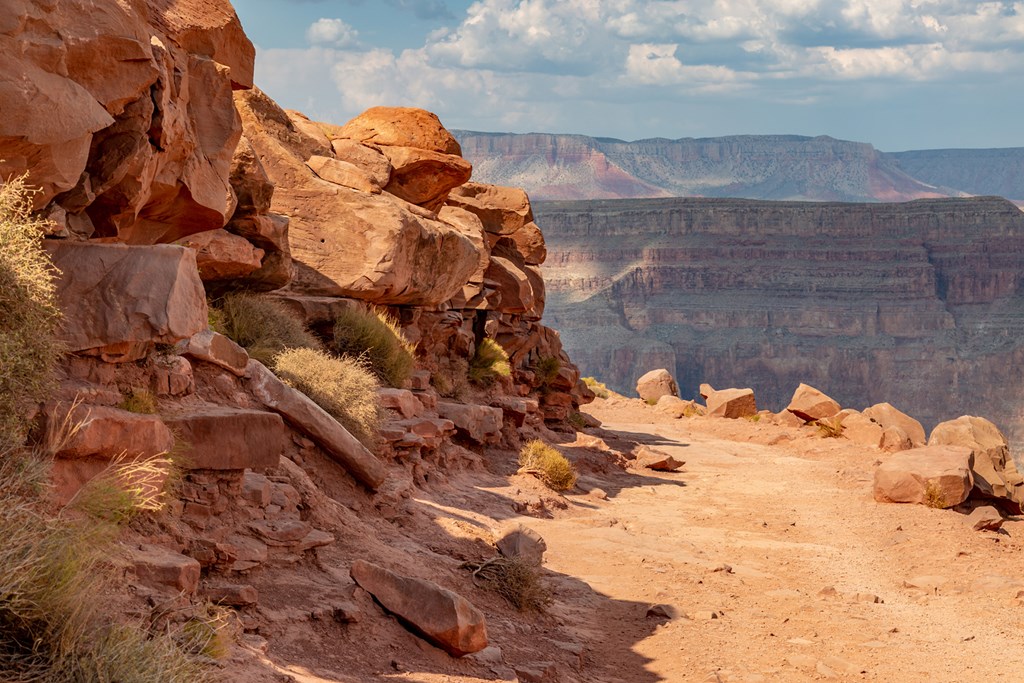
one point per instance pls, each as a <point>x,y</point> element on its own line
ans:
<point>375,336</point>
<point>829,429</point>
<point>262,326</point>
<point>576,420</point>
<point>489,362</point>
<point>451,378</point>
<point>344,387</point>
<point>756,417</point>
<point>139,400</point>
<point>126,488</point>
<point>548,465</point>
<point>933,496</point>
<point>546,369</point>
<point>28,311</point>
<point>52,579</point>
<point>599,388</point>
<point>513,579</point>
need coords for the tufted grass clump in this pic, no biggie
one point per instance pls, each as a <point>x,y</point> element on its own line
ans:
<point>139,400</point>
<point>28,312</point>
<point>513,579</point>
<point>262,326</point>
<point>344,387</point>
<point>488,363</point>
<point>548,465</point>
<point>55,623</point>
<point>600,389</point>
<point>546,370</point>
<point>829,429</point>
<point>376,337</point>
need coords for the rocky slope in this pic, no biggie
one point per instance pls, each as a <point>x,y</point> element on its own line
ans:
<point>919,304</point>
<point>975,171</point>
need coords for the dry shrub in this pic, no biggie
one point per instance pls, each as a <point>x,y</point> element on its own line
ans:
<point>599,388</point>
<point>546,369</point>
<point>139,400</point>
<point>488,363</point>
<point>376,337</point>
<point>451,379</point>
<point>53,574</point>
<point>513,579</point>
<point>829,429</point>
<point>28,312</point>
<point>344,387</point>
<point>262,326</point>
<point>933,496</point>
<point>548,465</point>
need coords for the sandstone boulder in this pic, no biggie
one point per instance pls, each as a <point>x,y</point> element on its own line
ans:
<point>676,407</point>
<point>423,177</point>
<point>308,417</point>
<point>732,403</point>
<point>895,439</point>
<point>995,473</point>
<point>503,210</point>
<point>888,416</point>
<point>402,401</point>
<point>440,616</point>
<point>108,433</point>
<point>861,429</point>
<point>655,384</point>
<point>985,518</point>
<point>372,161</point>
<point>401,127</point>
<point>224,438</point>
<point>524,543</point>
<point>938,476</point>
<point>159,567</point>
<point>347,243</point>
<point>118,301</point>
<point>221,255</point>
<point>213,347</point>
<point>809,404</point>
<point>653,459</point>
<point>481,424</point>
<point>342,173</point>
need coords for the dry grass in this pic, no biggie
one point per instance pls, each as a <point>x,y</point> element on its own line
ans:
<point>28,312</point>
<point>514,580</point>
<point>488,363</point>
<point>139,400</point>
<point>933,496</point>
<point>53,625</point>
<point>546,369</point>
<point>344,387</point>
<point>599,388</point>
<point>451,379</point>
<point>376,337</point>
<point>262,326</point>
<point>548,465</point>
<point>829,429</point>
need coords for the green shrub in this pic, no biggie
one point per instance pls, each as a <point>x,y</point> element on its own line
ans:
<point>599,388</point>
<point>376,337</point>
<point>546,370</point>
<point>139,400</point>
<point>53,576</point>
<point>344,387</point>
<point>513,579</point>
<point>28,312</point>
<point>488,363</point>
<point>548,465</point>
<point>576,420</point>
<point>262,326</point>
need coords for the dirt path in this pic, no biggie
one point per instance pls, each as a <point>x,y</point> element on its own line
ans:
<point>781,567</point>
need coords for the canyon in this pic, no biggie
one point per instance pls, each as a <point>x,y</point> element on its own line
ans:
<point>918,303</point>
<point>779,167</point>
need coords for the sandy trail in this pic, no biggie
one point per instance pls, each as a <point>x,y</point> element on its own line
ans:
<point>783,545</point>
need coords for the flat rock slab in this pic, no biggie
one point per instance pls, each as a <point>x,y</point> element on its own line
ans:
<point>162,568</point>
<point>481,424</point>
<point>442,617</point>
<point>110,432</point>
<point>221,438</point>
<point>938,476</point>
<point>215,348</point>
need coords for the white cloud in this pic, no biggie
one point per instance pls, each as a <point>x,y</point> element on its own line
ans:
<point>333,32</point>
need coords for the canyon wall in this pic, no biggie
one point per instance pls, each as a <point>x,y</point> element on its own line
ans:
<point>918,304</point>
<point>976,171</point>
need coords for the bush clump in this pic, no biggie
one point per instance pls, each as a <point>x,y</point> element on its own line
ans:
<point>599,388</point>
<point>488,363</point>
<point>376,337</point>
<point>344,387</point>
<point>451,378</point>
<point>53,572</point>
<point>546,370</point>
<point>829,429</point>
<point>548,465</point>
<point>28,312</point>
<point>262,326</point>
<point>139,400</point>
<point>513,579</point>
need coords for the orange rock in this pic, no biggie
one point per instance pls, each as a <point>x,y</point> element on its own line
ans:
<point>401,127</point>
<point>655,384</point>
<point>933,475</point>
<point>503,210</point>
<point>342,173</point>
<point>371,160</point>
<point>809,404</point>
<point>221,255</point>
<point>888,416</point>
<point>111,432</point>
<point>423,177</point>
<point>995,473</point>
<point>732,403</point>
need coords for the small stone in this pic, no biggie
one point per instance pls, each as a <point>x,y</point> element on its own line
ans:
<point>869,598</point>
<point>599,494</point>
<point>985,518</point>
<point>235,595</point>
<point>662,612</point>
<point>705,615</point>
<point>722,568</point>
<point>523,542</point>
<point>160,567</point>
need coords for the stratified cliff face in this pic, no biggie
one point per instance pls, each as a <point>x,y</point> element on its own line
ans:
<point>919,304</point>
<point>787,167</point>
<point>976,171</point>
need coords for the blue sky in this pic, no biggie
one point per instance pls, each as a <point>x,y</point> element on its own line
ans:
<point>900,74</point>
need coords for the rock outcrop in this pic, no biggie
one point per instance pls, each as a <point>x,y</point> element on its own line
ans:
<point>911,303</point>
<point>937,476</point>
<point>995,473</point>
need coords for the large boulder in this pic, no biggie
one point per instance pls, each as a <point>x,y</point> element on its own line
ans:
<point>731,403</point>
<point>401,127</point>
<point>121,112</point>
<point>442,617</point>
<point>995,473</point>
<point>655,384</point>
<point>886,415</point>
<point>423,177</point>
<point>504,212</point>
<point>347,242</point>
<point>809,404</point>
<point>221,255</point>
<point>223,438</point>
<point>118,300</point>
<point>938,476</point>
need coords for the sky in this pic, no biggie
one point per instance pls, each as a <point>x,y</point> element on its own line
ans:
<point>900,74</point>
